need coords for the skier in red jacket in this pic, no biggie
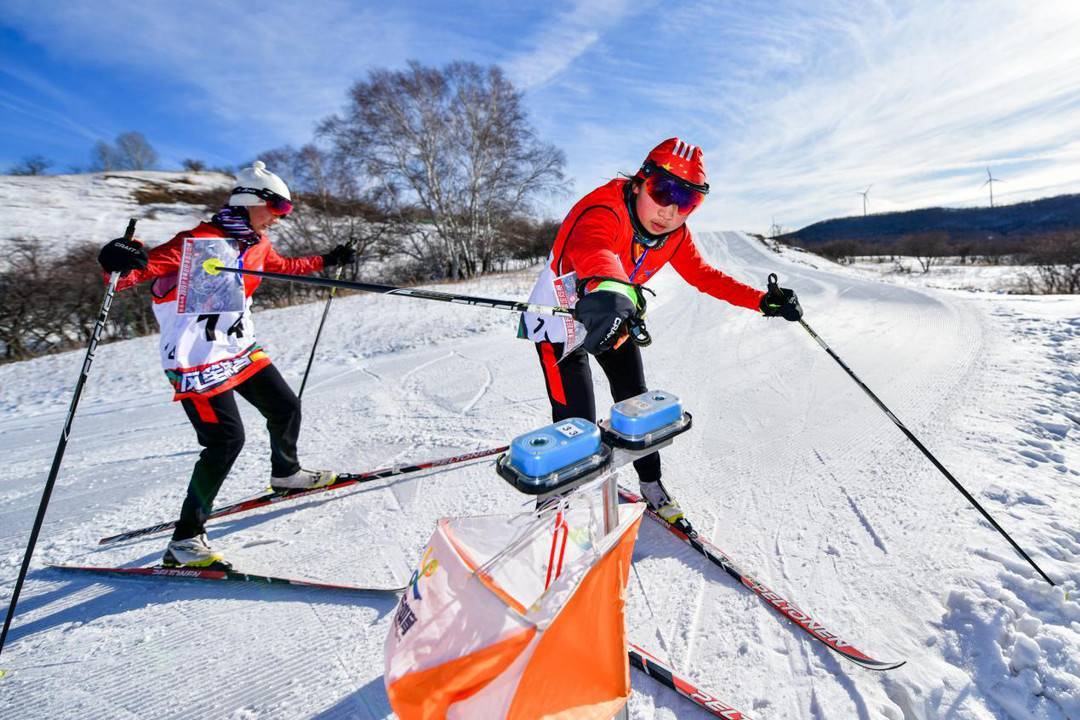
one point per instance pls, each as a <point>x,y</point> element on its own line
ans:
<point>610,244</point>
<point>210,353</point>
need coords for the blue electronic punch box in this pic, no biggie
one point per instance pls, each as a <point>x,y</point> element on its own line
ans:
<point>645,413</point>
<point>554,447</point>
<point>646,420</point>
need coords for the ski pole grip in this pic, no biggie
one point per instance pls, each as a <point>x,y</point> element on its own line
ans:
<point>773,283</point>
<point>130,232</point>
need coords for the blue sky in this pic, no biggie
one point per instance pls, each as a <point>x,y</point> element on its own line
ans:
<point>799,106</point>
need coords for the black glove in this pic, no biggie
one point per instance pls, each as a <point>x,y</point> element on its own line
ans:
<point>341,255</point>
<point>123,255</point>
<point>604,313</point>
<point>780,302</point>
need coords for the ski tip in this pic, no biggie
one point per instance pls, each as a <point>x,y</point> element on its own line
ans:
<point>3,673</point>
<point>877,665</point>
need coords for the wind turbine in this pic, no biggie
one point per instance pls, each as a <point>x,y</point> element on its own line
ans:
<point>990,180</point>
<point>865,193</point>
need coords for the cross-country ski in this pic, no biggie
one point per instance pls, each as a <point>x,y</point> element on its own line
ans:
<point>342,480</point>
<point>654,668</point>
<point>191,573</point>
<point>789,610</point>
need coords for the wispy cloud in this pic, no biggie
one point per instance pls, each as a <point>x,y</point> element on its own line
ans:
<point>273,68</point>
<point>562,39</point>
<point>798,106</point>
<point>918,103</point>
<point>46,118</point>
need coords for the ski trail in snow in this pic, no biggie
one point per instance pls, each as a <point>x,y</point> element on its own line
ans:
<point>695,622</point>
<point>485,386</point>
<point>977,377</point>
<point>424,365</point>
<point>864,521</point>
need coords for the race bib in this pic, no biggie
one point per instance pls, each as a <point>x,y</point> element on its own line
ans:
<point>197,291</point>
<point>565,287</point>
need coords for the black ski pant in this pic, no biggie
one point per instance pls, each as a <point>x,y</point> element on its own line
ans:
<point>220,430</point>
<point>570,388</point>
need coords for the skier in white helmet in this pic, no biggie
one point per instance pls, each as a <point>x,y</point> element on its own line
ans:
<point>210,358</point>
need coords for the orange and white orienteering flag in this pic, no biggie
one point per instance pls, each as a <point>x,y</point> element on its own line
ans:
<point>516,617</point>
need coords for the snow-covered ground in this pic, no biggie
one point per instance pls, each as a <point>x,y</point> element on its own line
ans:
<point>946,273</point>
<point>65,210</point>
<point>789,468</point>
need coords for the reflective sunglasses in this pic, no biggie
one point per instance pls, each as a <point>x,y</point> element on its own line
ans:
<point>274,202</point>
<point>667,189</point>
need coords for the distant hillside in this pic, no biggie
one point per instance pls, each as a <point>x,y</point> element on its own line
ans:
<point>63,211</point>
<point>1012,222</point>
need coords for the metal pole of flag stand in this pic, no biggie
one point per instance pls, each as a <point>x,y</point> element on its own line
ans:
<point>559,458</point>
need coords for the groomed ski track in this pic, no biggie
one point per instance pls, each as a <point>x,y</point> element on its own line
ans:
<point>789,468</point>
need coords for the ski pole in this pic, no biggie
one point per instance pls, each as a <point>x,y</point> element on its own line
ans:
<point>213,266</point>
<point>911,436</point>
<point>318,333</point>
<point>99,327</point>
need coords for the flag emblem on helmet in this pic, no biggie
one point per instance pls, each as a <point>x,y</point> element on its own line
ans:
<point>683,150</point>
<point>679,158</point>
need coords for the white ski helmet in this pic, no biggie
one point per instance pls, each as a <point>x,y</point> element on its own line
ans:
<point>254,184</point>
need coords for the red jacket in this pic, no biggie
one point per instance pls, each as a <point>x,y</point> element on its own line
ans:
<point>204,354</point>
<point>597,238</point>
<point>165,262</point>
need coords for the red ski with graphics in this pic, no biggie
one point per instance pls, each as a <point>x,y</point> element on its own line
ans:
<point>189,573</point>
<point>786,608</point>
<point>663,674</point>
<point>344,480</point>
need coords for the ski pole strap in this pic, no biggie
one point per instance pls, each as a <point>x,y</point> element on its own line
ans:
<point>634,291</point>
<point>621,288</point>
<point>774,296</point>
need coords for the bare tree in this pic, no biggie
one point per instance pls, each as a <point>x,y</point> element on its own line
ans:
<point>1056,258</point>
<point>453,143</point>
<point>330,209</point>
<point>49,300</point>
<point>522,238</point>
<point>925,247</point>
<point>131,152</point>
<point>193,165</point>
<point>311,170</point>
<point>31,165</point>
<point>840,251</point>
<point>135,153</point>
<point>103,157</point>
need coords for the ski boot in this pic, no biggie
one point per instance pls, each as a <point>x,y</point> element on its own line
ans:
<point>303,480</point>
<point>194,553</point>
<point>666,507</point>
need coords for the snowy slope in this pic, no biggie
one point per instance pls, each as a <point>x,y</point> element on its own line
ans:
<point>95,207</point>
<point>789,468</point>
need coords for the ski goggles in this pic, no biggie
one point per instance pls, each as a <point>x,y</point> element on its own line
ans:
<point>274,202</point>
<point>667,189</point>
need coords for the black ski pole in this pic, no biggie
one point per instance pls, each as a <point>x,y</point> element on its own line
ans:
<point>322,321</point>
<point>214,266</point>
<point>99,327</point>
<point>911,436</point>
